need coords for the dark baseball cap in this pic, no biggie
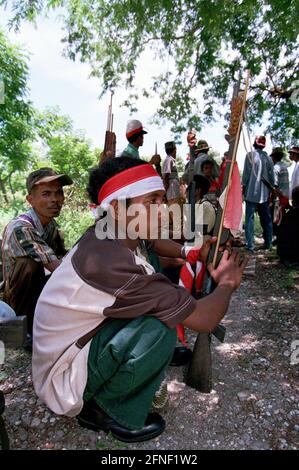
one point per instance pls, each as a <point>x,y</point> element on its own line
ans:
<point>201,145</point>
<point>45,175</point>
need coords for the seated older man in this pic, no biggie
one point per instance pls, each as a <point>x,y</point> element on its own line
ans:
<point>31,242</point>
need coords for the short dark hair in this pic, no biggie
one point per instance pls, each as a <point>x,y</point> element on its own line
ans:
<point>206,162</point>
<point>170,147</point>
<point>278,155</point>
<point>99,175</point>
<point>201,182</point>
<point>134,137</point>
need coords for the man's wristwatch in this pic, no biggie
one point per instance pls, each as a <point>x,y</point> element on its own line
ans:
<point>183,253</point>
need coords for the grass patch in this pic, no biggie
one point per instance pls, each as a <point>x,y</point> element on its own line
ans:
<point>288,279</point>
<point>244,361</point>
<point>257,230</point>
<point>111,444</point>
<point>271,254</point>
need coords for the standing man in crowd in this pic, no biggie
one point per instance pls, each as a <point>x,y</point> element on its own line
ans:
<point>294,157</point>
<point>281,175</point>
<point>32,243</point>
<point>202,155</point>
<point>135,136</point>
<point>172,184</point>
<point>258,167</point>
<point>282,187</point>
<point>288,234</point>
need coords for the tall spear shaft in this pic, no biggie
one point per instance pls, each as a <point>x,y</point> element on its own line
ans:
<point>199,375</point>
<point>233,148</point>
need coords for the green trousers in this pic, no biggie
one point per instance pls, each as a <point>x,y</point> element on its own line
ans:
<point>126,366</point>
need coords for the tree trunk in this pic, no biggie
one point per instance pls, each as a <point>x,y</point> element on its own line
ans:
<point>3,190</point>
<point>11,188</point>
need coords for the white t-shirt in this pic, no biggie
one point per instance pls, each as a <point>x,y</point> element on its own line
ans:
<point>169,168</point>
<point>98,279</point>
<point>295,178</point>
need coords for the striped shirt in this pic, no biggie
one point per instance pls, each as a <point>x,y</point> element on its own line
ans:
<point>25,236</point>
<point>169,168</point>
<point>281,178</point>
<point>257,166</point>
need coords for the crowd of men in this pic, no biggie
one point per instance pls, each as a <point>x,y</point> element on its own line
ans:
<point>103,317</point>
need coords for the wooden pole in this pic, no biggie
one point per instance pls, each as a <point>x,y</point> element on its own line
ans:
<point>233,159</point>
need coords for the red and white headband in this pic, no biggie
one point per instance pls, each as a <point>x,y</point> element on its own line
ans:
<point>130,183</point>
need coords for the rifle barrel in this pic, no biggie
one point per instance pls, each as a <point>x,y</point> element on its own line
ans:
<point>108,119</point>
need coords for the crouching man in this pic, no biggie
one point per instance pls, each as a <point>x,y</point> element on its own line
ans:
<point>104,328</point>
<point>31,242</point>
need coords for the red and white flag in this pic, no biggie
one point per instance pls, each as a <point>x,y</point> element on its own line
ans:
<point>233,211</point>
<point>192,271</point>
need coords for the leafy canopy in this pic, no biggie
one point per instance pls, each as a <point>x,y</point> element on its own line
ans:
<point>207,44</point>
<point>16,112</point>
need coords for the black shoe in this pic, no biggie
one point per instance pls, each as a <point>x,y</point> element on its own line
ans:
<point>93,417</point>
<point>181,356</point>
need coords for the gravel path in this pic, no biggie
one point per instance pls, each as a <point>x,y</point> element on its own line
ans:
<point>254,402</point>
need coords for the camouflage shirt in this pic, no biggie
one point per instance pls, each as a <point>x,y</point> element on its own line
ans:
<point>26,236</point>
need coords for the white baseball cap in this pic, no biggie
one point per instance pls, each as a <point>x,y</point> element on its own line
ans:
<point>134,127</point>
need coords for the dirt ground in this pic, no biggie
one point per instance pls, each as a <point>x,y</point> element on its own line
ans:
<point>254,403</point>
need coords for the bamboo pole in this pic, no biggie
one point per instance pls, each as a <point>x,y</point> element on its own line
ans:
<point>231,167</point>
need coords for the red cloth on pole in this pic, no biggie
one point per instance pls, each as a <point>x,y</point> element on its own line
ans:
<point>233,211</point>
<point>187,278</point>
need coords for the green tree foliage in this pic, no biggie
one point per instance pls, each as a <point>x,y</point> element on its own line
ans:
<point>16,115</point>
<point>74,223</point>
<point>65,149</point>
<point>51,123</point>
<point>206,42</point>
<point>72,155</point>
